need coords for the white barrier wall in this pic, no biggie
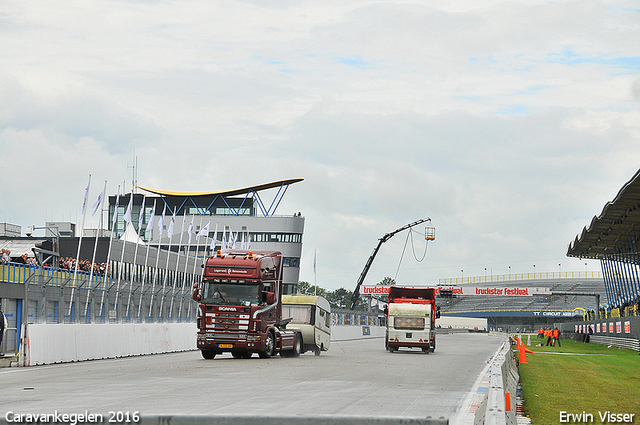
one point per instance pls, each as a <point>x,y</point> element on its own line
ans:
<point>346,332</point>
<point>56,343</point>
<point>455,322</point>
<point>59,343</point>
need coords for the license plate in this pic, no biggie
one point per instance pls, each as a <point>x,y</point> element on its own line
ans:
<point>225,345</point>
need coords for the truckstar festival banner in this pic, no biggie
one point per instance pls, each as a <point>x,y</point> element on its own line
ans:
<point>514,291</point>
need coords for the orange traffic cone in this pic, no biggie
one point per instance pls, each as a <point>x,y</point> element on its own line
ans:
<point>523,355</point>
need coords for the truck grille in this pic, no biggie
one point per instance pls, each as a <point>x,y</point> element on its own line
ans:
<point>410,323</point>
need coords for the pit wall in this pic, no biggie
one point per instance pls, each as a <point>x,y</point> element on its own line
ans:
<point>61,343</point>
<point>58,343</point>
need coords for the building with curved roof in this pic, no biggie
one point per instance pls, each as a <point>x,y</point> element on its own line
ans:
<point>613,237</point>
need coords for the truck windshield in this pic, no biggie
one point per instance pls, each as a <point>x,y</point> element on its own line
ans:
<point>231,294</point>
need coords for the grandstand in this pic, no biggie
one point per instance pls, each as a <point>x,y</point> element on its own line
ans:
<point>529,312</point>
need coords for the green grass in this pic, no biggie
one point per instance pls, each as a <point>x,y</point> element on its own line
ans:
<point>592,379</point>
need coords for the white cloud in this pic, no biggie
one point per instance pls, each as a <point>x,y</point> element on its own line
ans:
<point>510,124</point>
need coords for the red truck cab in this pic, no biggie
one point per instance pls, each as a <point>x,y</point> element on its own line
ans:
<point>240,306</point>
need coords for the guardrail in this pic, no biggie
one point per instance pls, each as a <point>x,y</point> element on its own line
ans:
<point>498,406</point>
<point>519,276</point>
<point>20,273</point>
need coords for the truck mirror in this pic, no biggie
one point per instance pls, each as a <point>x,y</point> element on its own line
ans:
<point>437,312</point>
<point>268,297</point>
<point>196,295</point>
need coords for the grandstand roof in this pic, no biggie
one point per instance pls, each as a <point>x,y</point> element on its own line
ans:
<point>619,220</point>
<point>232,192</point>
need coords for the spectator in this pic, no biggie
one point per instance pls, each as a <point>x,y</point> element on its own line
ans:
<point>3,328</point>
<point>6,256</point>
<point>556,337</point>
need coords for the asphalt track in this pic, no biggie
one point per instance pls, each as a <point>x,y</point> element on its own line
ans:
<point>353,379</point>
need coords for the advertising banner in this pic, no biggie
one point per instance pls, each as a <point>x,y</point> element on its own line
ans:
<point>506,291</point>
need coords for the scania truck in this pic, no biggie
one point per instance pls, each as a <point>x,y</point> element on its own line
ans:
<point>240,306</point>
<point>411,320</point>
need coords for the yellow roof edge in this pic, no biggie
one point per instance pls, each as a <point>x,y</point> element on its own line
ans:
<point>240,191</point>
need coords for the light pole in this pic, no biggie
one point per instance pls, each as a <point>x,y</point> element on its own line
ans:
<point>509,272</point>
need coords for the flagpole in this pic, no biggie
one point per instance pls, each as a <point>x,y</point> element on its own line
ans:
<point>107,267</point>
<point>175,282</point>
<point>127,219</point>
<point>184,278</point>
<point>315,278</point>
<point>166,265</point>
<point>155,271</point>
<point>95,248</point>
<point>195,260</point>
<point>146,262</point>
<point>75,271</point>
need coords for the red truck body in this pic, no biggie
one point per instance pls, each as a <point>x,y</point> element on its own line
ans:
<point>240,306</point>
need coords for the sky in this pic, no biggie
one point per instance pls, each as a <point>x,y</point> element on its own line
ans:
<point>510,124</point>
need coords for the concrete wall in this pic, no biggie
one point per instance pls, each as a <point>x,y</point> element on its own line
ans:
<point>57,343</point>
<point>60,343</point>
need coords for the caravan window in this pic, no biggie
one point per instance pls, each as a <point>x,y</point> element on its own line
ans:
<point>300,314</point>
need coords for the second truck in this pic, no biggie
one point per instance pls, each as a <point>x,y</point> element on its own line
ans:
<point>411,319</point>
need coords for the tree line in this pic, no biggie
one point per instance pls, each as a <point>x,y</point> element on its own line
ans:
<point>338,298</point>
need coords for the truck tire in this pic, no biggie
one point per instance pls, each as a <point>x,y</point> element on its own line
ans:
<point>297,346</point>
<point>208,354</point>
<point>269,346</point>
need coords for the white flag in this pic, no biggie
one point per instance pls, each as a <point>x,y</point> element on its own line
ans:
<point>235,238</point>
<point>153,214</point>
<point>86,196</point>
<point>243,246</point>
<point>224,238</point>
<point>171,223</point>
<point>204,231</point>
<point>213,241</point>
<point>141,213</point>
<point>127,213</point>
<point>248,240</point>
<point>98,202</point>
<point>190,230</point>
<point>161,221</point>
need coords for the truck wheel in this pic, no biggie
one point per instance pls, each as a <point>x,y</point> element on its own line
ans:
<point>297,346</point>
<point>237,354</point>
<point>269,346</point>
<point>208,354</point>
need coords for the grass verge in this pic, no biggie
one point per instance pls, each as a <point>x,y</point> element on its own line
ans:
<point>589,378</point>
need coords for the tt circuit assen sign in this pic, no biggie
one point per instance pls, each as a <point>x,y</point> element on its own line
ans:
<point>507,291</point>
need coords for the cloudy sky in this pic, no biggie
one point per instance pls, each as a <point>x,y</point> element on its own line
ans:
<point>509,123</point>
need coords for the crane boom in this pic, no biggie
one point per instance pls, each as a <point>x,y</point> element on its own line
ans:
<point>386,237</point>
